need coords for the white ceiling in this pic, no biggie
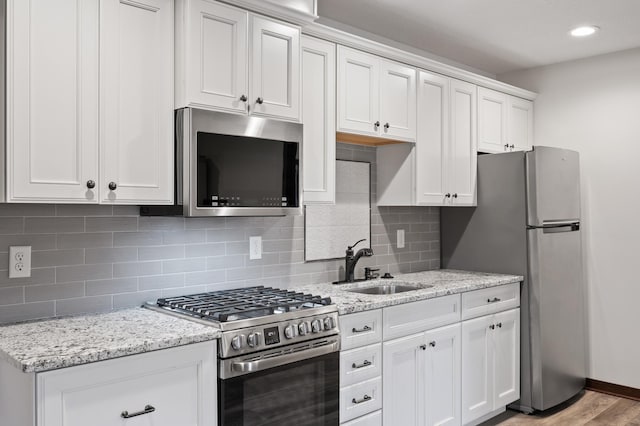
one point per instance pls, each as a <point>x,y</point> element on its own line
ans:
<point>495,35</point>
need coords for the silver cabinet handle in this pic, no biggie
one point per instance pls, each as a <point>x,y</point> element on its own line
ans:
<point>494,300</point>
<point>113,186</point>
<point>455,195</point>
<point>423,347</point>
<point>364,399</point>
<point>91,184</point>
<point>432,343</point>
<point>376,125</point>
<point>512,146</point>
<point>259,101</point>
<point>386,126</point>
<point>492,326</point>
<point>365,363</point>
<point>243,98</point>
<point>361,330</point>
<point>147,409</point>
<point>447,195</point>
<point>499,325</point>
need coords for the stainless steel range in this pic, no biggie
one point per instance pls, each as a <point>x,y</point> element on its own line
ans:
<point>278,354</point>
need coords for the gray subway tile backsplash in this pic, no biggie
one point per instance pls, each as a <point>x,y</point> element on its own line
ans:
<point>93,258</point>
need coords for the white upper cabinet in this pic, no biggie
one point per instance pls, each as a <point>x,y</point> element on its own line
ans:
<point>432,144</point>
<point>492,120</point>
<point>376,97</point>
<point>52,101</point>
<point>445,151</point>
<point>397,101</point>
<point>218,44</point>
<point>90,101</point>
<point>505,122</point>
<point>358,92</point>
<point>211,56</point>
<point>463,163</point>
<point>319,120</point>
<point>136,79</point>
<point>520,124</point>
<point>275,64</point>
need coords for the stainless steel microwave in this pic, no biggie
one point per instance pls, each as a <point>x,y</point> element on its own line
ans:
<point>235,165</point>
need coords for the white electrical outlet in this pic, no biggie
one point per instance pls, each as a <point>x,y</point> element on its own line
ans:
<point>400,238</point>
<point>19,261</point>
<point>255,248</point>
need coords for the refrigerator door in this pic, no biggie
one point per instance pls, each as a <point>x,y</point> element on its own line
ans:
<point>556,315</point>
<point>553,185</point>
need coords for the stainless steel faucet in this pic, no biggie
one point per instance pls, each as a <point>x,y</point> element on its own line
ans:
<point>350,260</point>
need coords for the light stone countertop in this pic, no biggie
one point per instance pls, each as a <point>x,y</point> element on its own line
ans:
<point>64,342</point>
<point>443,282</point>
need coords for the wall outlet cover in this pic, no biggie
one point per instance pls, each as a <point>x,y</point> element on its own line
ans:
<point>400,238</point>
<point>19,261</point>
<point>255,248</point>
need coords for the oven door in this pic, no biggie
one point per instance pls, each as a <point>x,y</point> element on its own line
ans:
<point>295,386</point>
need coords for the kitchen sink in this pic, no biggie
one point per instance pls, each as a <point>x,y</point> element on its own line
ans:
<point>386,289</point>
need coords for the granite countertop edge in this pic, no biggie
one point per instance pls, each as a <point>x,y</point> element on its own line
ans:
<point>50,344</point>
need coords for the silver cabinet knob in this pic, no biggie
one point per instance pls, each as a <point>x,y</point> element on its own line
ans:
<point>290,331</point>
<point>512,146</point>
<point>455,195</point>
<point>447,195</point>
<point>303,328</point>
<point>316,326</point>
<point>386,126</point>
<point>376,124</point>
<point>91,184</point>
<point>113,186</point>
<point>506,146</point>
<point>253,339</point>
<point>259,101</point>
<point>243,98</point>
<point>328,323</point>
<point>237,342</point>
<point>432,343</point>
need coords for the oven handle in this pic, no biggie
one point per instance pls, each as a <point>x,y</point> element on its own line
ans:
<point>264,364</point>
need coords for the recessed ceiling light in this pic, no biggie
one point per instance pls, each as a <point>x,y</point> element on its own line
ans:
<point>584,31</point>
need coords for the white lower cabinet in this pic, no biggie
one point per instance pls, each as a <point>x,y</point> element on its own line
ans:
<point>432,368</point>
<point>421,378</point>
<point>168,387</point>
<point>490,363</point>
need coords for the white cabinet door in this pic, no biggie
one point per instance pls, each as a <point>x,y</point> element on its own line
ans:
<point>477,368</point>
<point>176,386</point>
<point>492,121</point>
<point>136,89</point>
<point>403,379</point>
<point>319,120</point>
<point>506,357</point>
<point>211,62</point>
<point>275,67</point>
<point>52,100</point>
<point>358,92</point>
<point>432,143</point>
<point>463,160</point>
<point>442,396</point>
<point>397,101</point>
<point>520,119</point>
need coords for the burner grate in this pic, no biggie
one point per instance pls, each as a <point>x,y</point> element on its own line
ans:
<point>243,303</point>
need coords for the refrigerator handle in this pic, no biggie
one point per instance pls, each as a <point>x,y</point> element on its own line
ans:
<point>558,227</point>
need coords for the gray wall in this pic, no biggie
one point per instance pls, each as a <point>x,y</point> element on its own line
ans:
<point>99,258</point>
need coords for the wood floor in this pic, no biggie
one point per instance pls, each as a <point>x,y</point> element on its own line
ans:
<point>590,409</point>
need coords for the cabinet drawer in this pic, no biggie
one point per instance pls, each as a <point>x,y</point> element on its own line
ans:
<point>362,398</point>
<point>490,300</point>
<point>410,318</point>
<point>176,386</point>
<point>373,419</point>
<point>357,365</point>
<point>363,328</point>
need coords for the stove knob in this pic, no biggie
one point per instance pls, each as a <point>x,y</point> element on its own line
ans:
<point>253,339</point>
<point>290,331</point>
<point>237,342</point>
<point>303,328</point>
<point>316,326</point>
<point>328,323</point>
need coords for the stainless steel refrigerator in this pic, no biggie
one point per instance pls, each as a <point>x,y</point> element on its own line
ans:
<point>527,222</point>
